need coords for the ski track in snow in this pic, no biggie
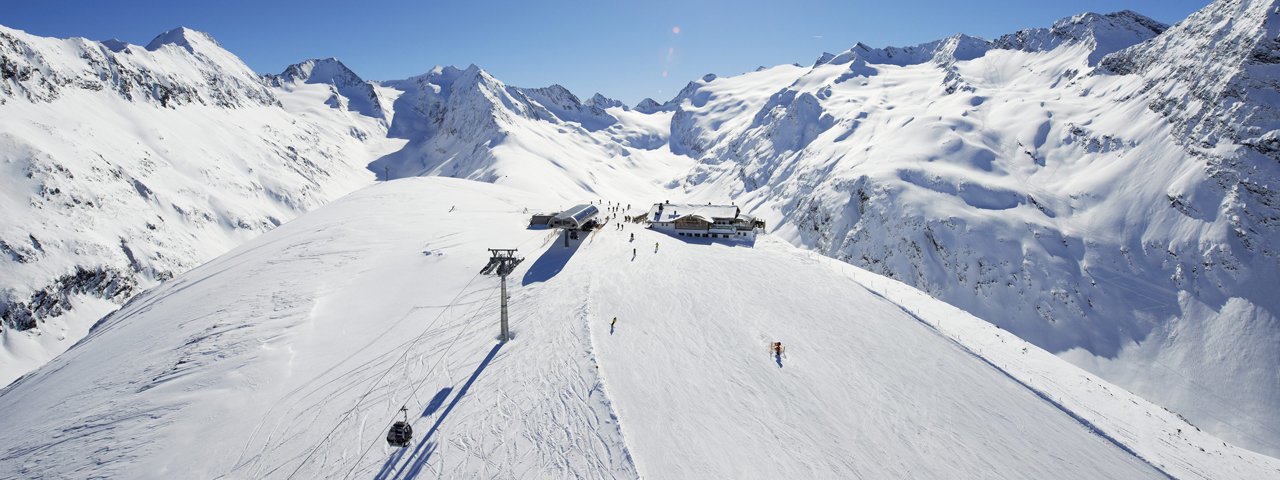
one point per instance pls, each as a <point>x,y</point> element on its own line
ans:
<point>484,446</point>
<point>296,350</point>
<point>690,445</point>
<point>1094,212</point>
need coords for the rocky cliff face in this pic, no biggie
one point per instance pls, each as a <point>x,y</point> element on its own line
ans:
<point>1216,77</point>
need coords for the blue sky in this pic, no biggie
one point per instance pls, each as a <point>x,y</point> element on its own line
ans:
<point>625,49</point>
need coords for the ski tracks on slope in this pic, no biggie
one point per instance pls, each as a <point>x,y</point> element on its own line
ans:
<point>534,408</point>
<point>600,401</point>
<point>553,418</point>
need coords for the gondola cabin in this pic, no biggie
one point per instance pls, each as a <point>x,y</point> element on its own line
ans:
<point>401,432</point>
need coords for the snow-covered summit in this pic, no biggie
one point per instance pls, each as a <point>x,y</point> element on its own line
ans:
<point>600,101</point>
<point>1103,34</point>
<point>116,45</point>
<point>562,105</point>
<point>942,52</point>
<point>180,67</point>
<point>320,70</point>
<point>648,105</point>
<point>186,38</point>
<point>1215,74</point>
<point>458,120</point>
<point>347,90</point>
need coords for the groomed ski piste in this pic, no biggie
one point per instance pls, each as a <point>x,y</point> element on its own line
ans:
<point>290,356</point>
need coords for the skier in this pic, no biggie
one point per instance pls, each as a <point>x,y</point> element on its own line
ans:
<point>655,247</point>
<point>777,349</point>
<point>633,236</point>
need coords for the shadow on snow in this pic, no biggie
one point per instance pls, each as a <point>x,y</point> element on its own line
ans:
<point>422,453</point>
<point>731,241</point>
<point>552,260</point>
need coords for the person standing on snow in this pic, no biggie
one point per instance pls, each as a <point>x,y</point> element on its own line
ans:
<point>655,247</point>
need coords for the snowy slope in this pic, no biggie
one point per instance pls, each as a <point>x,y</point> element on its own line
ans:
<point>1102,188</point>
<point>1009,177</point>
<point>121,166</point>
<point>288,356</point>
<point>1014,181</point>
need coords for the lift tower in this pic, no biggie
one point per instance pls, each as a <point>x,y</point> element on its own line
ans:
<point>501,262</point>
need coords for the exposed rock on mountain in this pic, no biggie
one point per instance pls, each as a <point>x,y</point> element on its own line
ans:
<point>1103,188</point>
<point>122,166</point>
<point>347,90</point>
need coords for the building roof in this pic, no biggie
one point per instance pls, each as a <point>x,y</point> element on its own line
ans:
<point>671,211</point>
<point>579,213</point>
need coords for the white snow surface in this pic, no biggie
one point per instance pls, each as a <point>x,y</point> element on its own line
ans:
<point>290,355</point>
<point>120,169</point>
<point>1103,188</point>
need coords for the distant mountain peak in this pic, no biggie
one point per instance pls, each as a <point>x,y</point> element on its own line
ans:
<point>648,105</point>
<point>115,45</point>
<point>1211,74</point>
<point>356,94</point>
<point>321,70</point>
<point>1103,33</point>
<point>944,51</point>
<point>600,101</point>
<point>184,37</point>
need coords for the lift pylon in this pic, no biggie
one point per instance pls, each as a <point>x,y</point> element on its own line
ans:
<point>501,262</point>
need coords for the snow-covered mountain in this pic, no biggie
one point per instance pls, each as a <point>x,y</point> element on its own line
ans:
<point>466,123</point>
<point>347,91</point>
<point>289,356</point>
<point>1064,203</point>
<point>124,166</point>
<point>1102,188</point>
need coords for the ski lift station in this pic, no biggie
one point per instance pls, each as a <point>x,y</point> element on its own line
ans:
<point>579,217</point>
<point>704,221</point>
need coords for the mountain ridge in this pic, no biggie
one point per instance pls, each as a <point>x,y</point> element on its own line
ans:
<point>1002,180</point>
